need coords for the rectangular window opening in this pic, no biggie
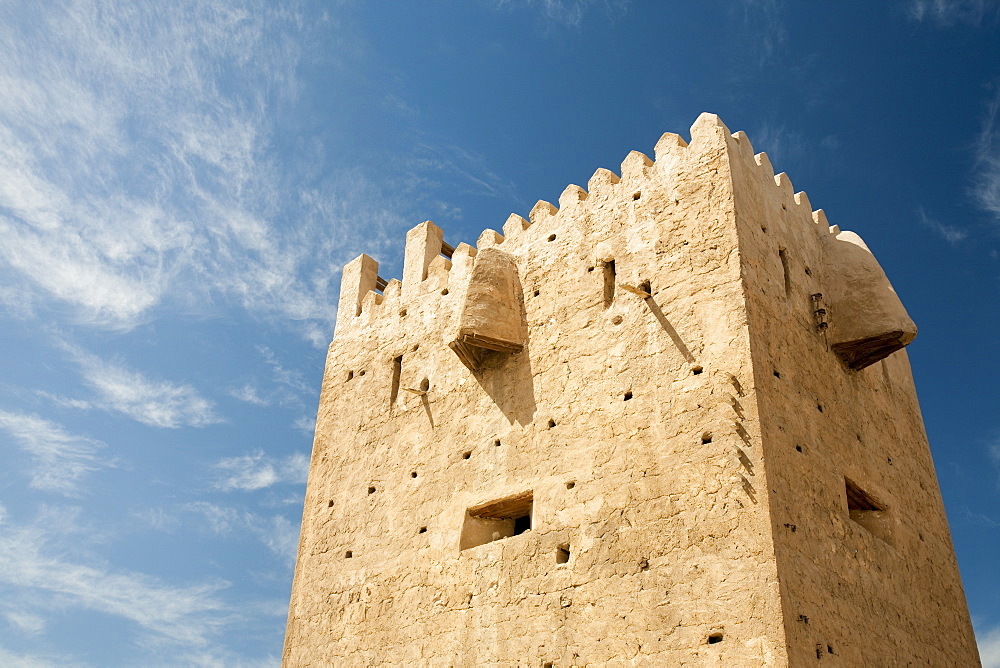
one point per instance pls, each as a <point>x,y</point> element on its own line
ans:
<point>866,510</point>
<point>502,518</point>
<point>562,554</point>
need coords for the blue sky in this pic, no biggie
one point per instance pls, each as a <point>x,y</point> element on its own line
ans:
<point>181,182</point>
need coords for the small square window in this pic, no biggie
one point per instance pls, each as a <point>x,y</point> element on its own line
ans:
<point>503,518</point>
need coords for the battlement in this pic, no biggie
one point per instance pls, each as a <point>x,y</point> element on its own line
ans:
<point>643,426</point>
<point>870,323</point>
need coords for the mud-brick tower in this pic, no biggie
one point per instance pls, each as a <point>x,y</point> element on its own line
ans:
<point>669,423</point>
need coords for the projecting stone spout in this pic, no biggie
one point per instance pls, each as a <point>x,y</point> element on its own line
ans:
<point>868,322</point>
<point>491,318</point>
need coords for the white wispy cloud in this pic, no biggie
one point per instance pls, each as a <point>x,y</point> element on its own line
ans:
<point>989,647</point>
<point>569,12</point>
<point>11,658</point>
<point>249,393</point>
<point>276,532</point>
<point>60,460</point>
<point>255,471</point>
<point>950,12</point>
<point>26,622</point>
<point>986,181</point>
<point>32,564</point>
<point>135,168</point>
<point>953,235</point>
<point>158,403</point>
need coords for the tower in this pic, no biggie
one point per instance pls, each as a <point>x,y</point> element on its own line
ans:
<point>671,421</point>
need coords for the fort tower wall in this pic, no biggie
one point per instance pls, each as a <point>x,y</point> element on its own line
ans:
<point>596,439</point>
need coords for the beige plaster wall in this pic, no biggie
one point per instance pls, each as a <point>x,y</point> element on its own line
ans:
<point>674,504</point>
<point>850,596</point>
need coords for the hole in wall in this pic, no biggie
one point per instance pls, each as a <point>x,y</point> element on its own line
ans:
<point>371,490</point>
<point>444,292</point>
<point>413,474</point>
<point>415,347</point>
<point>536,293</point>
<point>348,554</point>
<point>467,454</point>
<point>502,518</point>
<point>866,510</point>
<point>571,484</point>
<point>819,407</point>
<point>808,271</point>
<point>425,385</point>
<point>547,664</point>
<point>617,320</point>
<point>350,375</point>
<point>763,229</point>
<point>798,448</point>
<point>496,443</point>
<point>829,649</point>
<point>329,504</point>
<point>777,374</point>
<point>714,638</point>
<point>589,269</point>
<point>402,313</point>
<point>552,423</point>
<point>361,373</point>
<point>706,438</point>
<point>552,237</point>
<point>422,530</point>
<point>562,554</point>
<point>636,195</point>
<point>646,287</point>
<point>628,395</point>
<point>696,370</point>
<point>784,208</point>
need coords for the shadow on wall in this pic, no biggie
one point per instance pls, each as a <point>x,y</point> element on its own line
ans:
<point>492,335</point>
<point>508,381</point>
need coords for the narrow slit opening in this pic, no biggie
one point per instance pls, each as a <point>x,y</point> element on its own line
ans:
<point>786,271</point>
<point>608,270</point>
<point>562,554</point>
<point>397,371</point>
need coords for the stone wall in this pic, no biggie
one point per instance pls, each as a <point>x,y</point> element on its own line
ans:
<point>572,449</point>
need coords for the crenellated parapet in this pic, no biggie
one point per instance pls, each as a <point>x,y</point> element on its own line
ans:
<point>857,311</point>
<point>664,382</point>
